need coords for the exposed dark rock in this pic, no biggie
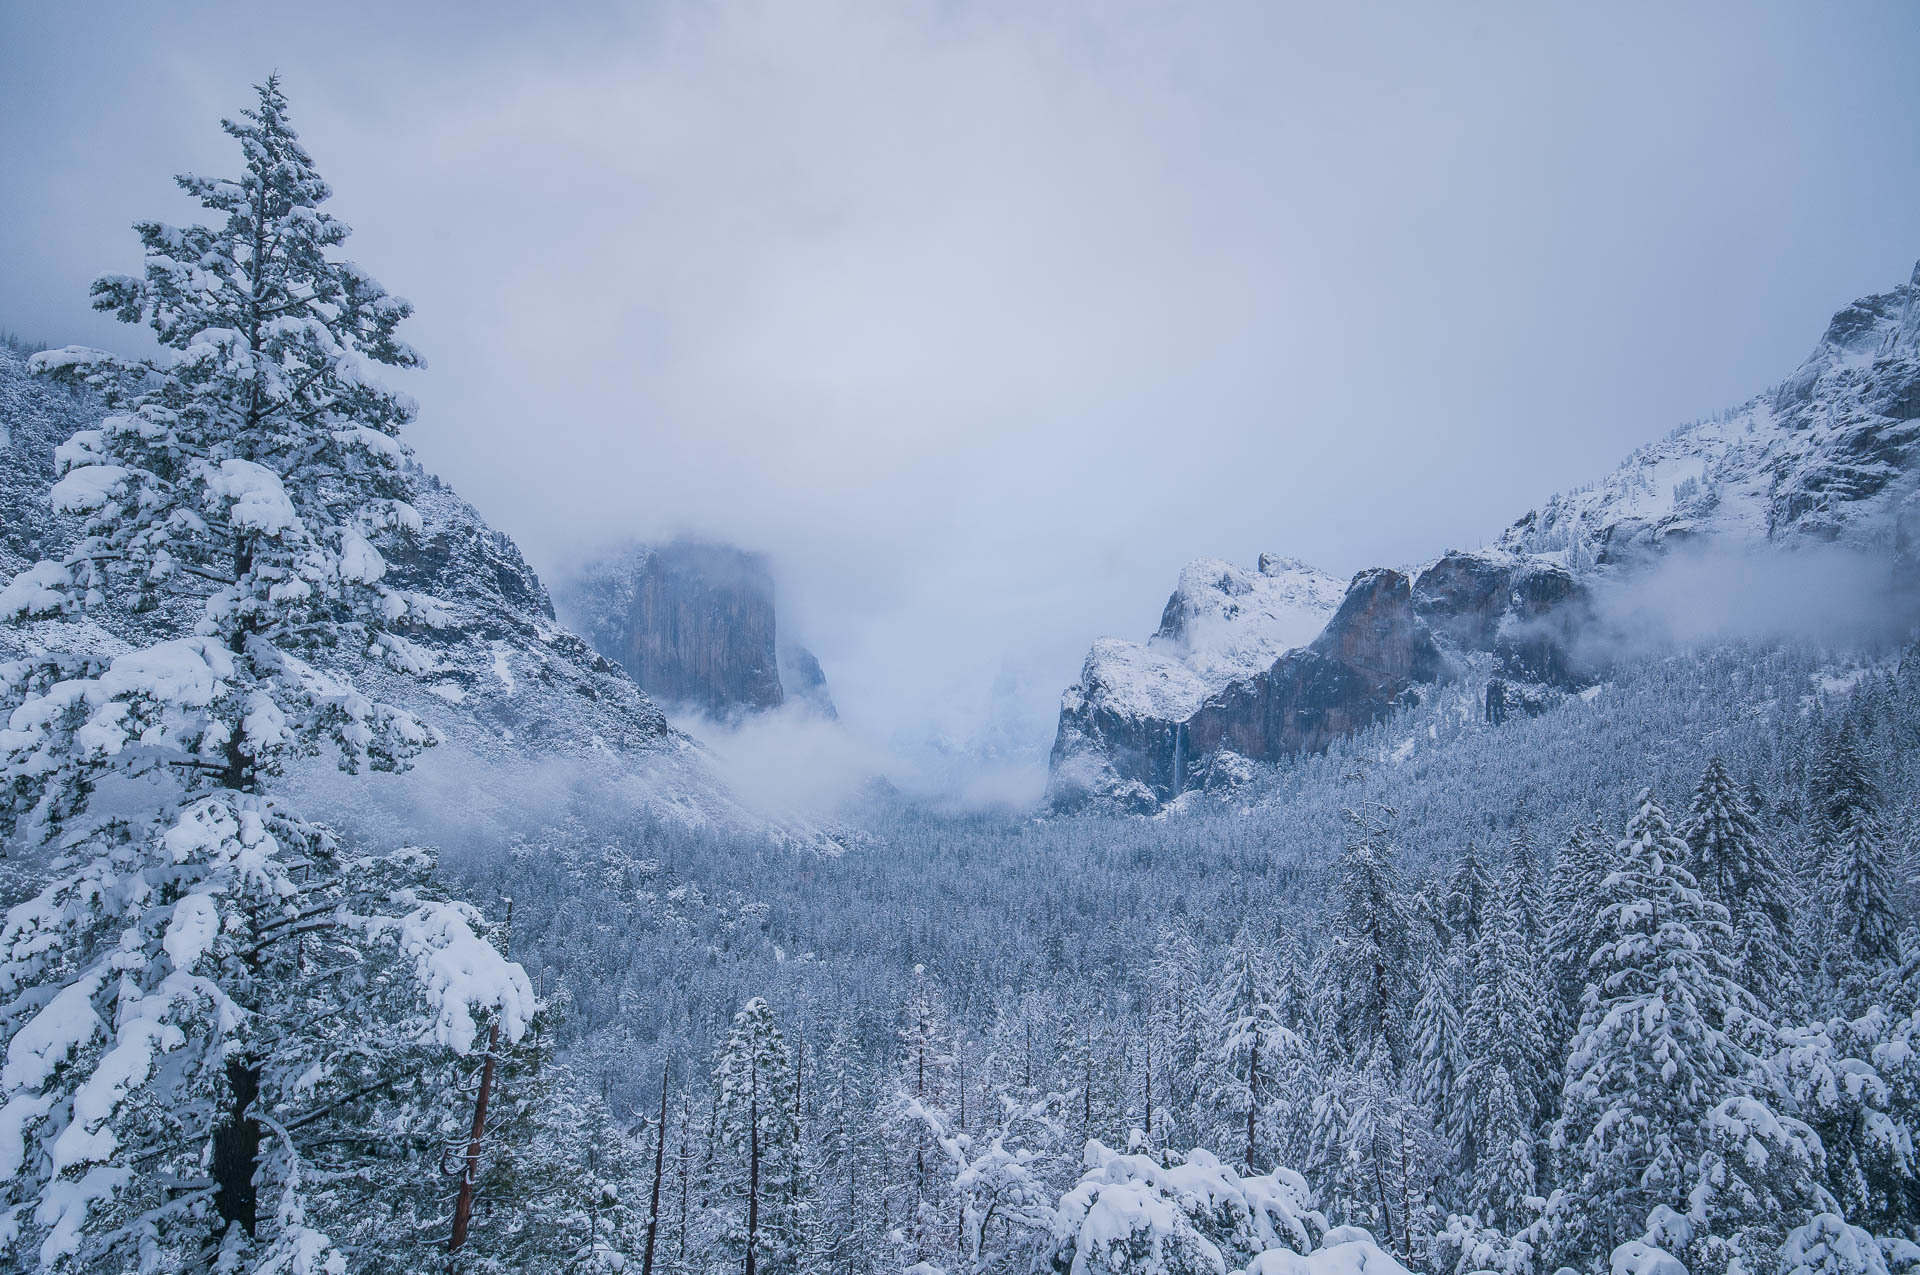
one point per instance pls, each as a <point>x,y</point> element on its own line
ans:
<point>1528,614</point>
<point>802,680</point>
<point>1371,654</point>
<point>1463,597</point>
<point>695,624</point>
<point>1508,700</point>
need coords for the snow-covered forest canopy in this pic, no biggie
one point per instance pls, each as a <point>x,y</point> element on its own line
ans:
<point>1627,983</point>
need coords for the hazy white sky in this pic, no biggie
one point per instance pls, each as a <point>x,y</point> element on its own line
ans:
<point>983,318</point>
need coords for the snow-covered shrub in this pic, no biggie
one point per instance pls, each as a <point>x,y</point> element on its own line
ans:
<point>1131,1213</point>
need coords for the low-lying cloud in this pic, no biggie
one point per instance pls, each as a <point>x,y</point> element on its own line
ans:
<point>1698,595</point>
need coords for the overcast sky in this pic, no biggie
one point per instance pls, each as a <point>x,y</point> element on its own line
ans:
<point>983,318</point>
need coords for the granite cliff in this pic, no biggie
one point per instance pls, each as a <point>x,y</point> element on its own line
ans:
<point>695,624</point>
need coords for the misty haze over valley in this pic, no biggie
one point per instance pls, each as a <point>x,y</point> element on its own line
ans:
<point>960,640</point>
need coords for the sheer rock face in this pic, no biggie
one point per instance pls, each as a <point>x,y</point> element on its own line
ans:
<point>695,624</point>
<point>1131,738</point>
<point>1371,655</point>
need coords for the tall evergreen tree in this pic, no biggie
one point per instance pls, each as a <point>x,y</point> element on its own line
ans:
<point>917,1202</point>
<point>1503,1176</point>
<point>1653,1051</point>
<point>1737,869</point>
<point>846,1171</point>
<point>209,989</point>
<point>1256,1061</point>
<point>1177,1028</point>
<point>761,1175</point>
<point>1368,960</point>
<point>1584,860</point>
<point>1440,1058</point>
<point>1505,1030</point>
<point>1469,890</point>
<point>1862,941</point>
<point>1524,893</point>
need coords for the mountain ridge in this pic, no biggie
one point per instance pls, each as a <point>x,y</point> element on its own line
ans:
<point>1827,456</point>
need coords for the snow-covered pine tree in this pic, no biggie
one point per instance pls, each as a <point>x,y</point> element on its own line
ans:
<point>1393,1156</point>
<point>1573,890</point>
<point>1440,1059</point>
<point>761,1177</point>
<point>1176,1028</point>
<point>917,1205</point>
<point>845,1169</point>
<point>1367,964</point>
<point>1329,1167</point>
<point>1584,860</point>
<point>1428,914</point>
<point>1737,869</point>
<point>1856,1082</point>
<point>1256,1064</point>
<point>1862,943</point>
<point>1758,1179</point>
<point>1520,885</point>
<point>1503,1176</point>
<point>1653,1052</point>
<point>1469,889</point>
<point>563,1185</point>
<point>1504,1028</point>
<point>207,982</point>
<point>1087,1073</point>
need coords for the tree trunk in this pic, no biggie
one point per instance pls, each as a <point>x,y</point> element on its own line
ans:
<point>753,1161</point>
<point>659,1168</point>
<point>1146,1086</point>
<point>236,1151</point>
<point>1253,1099</point>
<point>470,1169</point>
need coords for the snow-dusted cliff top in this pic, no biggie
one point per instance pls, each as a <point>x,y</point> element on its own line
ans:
<point>1223,623</point>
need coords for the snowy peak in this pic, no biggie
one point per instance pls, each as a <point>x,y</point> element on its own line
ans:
<point>1226,622</point>
<point>1222,623</point>
<point>1829,454</point>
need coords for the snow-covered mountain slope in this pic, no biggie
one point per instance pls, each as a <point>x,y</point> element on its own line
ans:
<point>1826,455</point>
<point>505,684</point>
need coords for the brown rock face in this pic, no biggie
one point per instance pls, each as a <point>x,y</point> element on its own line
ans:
<point>1370,655</point>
